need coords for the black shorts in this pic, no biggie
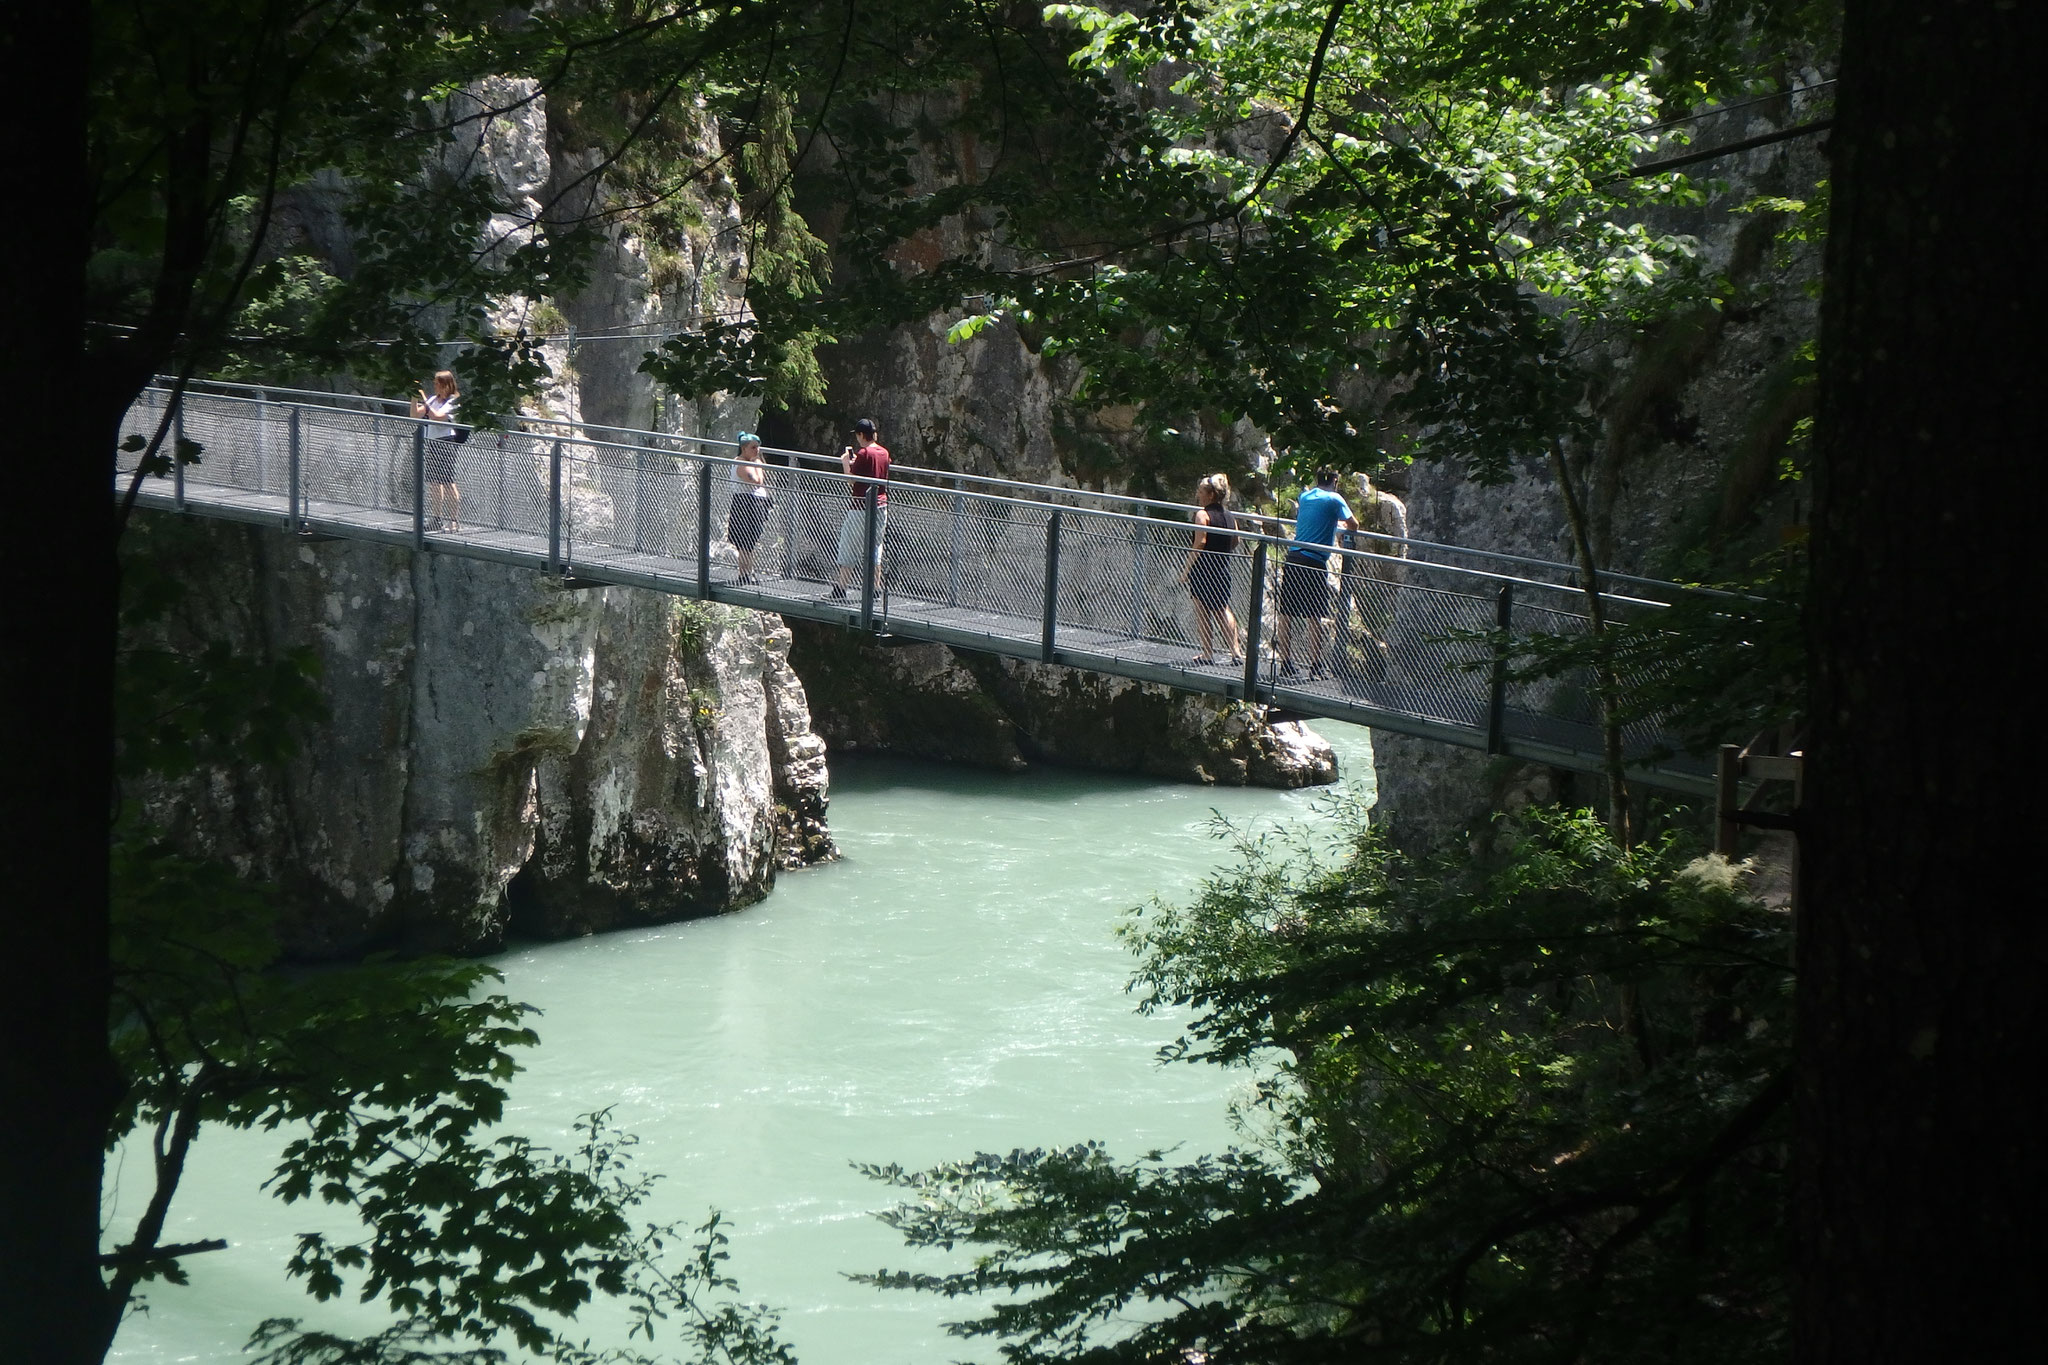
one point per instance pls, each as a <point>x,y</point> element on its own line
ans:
<point>440,460</point>
<point>743,522</point>
<point>1304,587</point>
<point>1209,580</point>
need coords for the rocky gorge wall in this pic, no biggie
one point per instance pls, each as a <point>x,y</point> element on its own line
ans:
<point>996,408</point>
<point>1694,413</point>
<point>502,754</point>
<point>1684,478</point>
<point>932,701</point>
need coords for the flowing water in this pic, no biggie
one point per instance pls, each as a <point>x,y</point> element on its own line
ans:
<point>951,986</point>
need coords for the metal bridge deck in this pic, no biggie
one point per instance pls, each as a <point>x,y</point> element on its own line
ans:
<point>1028,571</point>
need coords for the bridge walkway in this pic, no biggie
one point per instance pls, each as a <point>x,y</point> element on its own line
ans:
<point>1029,571</point>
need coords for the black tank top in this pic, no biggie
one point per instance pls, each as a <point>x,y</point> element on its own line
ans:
<point>1218,538</point>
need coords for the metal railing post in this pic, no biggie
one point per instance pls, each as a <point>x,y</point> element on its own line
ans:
<point>790,492</point>
<point>178,455</point>
<point>504,522</point>
<point>376,461</point>
<point>1052,586</point>
<point>292,522</point>
<point>953,550</point>
<point>555,507</point>
<point>1727,794</point>
<point>867,564</point>
<point>703,527</point>
<point>1497,690</point>
<point>419,487</point>
<point>1138,543</point>
<point>1254,621</point>
<point>639,499</point>
<point>262,442</point>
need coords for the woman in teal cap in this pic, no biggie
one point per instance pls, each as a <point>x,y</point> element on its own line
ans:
<point>750,504</point>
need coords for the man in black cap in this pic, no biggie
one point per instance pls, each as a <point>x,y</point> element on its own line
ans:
<point>867,461</point>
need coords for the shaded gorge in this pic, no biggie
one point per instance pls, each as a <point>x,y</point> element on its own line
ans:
<point>952,985</point>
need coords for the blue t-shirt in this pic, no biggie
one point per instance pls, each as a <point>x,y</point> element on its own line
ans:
<point>1315,521</point>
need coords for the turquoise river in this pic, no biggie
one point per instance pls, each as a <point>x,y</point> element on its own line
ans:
<point>951,986</point>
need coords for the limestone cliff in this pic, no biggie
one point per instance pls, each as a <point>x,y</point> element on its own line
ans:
<point>1695,416</point>
<point>1695,411</point>
<point>932,701</point>
<point>502,754</point>
<point>999,407</point>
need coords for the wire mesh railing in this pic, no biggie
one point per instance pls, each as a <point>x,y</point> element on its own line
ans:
<point>1396,640</point>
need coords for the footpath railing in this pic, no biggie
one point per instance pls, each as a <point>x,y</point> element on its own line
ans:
<point>1055,574</point>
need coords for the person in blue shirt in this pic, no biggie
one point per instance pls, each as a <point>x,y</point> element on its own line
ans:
<point>1305,573</point>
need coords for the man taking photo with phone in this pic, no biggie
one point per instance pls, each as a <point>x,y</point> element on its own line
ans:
<point>867,461</point>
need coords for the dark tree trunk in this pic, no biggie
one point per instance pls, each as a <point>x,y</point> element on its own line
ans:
<point>56,1075</point>
<point>1922,951</point>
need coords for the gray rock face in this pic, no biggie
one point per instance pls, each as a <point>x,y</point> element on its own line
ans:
<point>501,754</point>
<point>1695,415</point>
<point>932,701</point>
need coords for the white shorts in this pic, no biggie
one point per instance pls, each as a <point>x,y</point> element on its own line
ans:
<point>853,533</point>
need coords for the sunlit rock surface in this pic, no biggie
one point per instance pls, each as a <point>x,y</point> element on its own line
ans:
<point>931,701</point>
<point>501,754</point>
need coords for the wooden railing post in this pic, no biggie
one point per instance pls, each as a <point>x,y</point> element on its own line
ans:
<point>1727,792</point>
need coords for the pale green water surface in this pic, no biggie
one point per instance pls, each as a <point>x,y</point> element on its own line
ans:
<point>951,986</point>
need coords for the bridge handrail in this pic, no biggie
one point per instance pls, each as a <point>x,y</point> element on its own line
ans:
<point>906,473</point>
<point>1279,544</point>
<point>1417,644</point>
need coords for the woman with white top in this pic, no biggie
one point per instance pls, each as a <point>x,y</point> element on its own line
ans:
<point>444,499</point>
<point>750,504</point>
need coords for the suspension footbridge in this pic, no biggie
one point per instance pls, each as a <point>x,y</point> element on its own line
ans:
<point>1060,575</point>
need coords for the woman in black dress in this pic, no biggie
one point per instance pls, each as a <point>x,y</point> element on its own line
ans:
<point>1207,570</point>
<point>750,504</point>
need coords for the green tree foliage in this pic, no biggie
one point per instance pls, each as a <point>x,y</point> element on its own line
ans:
<point>384,1081</point>
<point>1328,217</point>
<point>221,132</point>
<point>1709,668</point>
<point>1526,1111</point>
<point>210,123</point>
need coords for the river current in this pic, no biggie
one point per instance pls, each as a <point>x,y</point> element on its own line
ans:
<point>951,986</point>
